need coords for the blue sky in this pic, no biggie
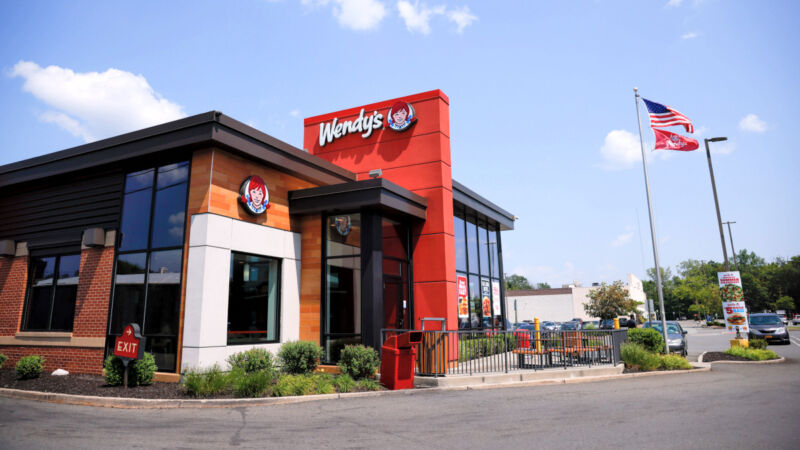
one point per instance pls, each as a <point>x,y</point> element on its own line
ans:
<point>543,120</point>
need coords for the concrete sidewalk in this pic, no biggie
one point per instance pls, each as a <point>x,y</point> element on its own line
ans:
<point>549,376</point>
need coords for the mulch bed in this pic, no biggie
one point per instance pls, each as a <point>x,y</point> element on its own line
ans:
<point>91,385</point>
<point>95,385</point>
<point>720,356</point>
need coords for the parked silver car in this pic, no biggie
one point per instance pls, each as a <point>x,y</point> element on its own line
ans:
<point>768,326</point>
<point>676,336</point>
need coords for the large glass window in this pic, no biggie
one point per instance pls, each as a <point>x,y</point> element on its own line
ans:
<point>253,299</point>
<point>461,244</point>
<point>478,261</point>
<point>52,292</point>
<point>342,317</point>
<point>150,262</point>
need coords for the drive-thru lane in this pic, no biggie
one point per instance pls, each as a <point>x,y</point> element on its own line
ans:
<point>733,406</point>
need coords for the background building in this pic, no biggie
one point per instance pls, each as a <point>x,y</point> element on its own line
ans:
<point>563,304</point>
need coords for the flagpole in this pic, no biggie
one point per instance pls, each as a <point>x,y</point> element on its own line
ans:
<point>652,226</point>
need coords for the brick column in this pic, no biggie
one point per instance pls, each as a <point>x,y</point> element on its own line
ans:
<point>13,276</point>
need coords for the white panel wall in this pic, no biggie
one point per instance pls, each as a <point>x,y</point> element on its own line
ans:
<point>556,307</point>
<point>211,240</point>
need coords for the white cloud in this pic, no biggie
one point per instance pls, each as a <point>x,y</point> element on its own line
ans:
<point>461,17</point>
<point>94,105</point>
<point>752,124</point>
<point>359,15</point>
<point>673,3</point>
<point>621,150</point>
<point>722,148</point>
<point>294,113</point>
<point>622,239</point>
<point>689,35</point>
<point>417,17</point>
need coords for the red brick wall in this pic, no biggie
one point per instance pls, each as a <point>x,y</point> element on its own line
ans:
<point>71,359</point>
<point>13,275</point>
<point>91,312</point>
<point>94,292</point>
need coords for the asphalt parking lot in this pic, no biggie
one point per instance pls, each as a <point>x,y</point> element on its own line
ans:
<point>701,339</point>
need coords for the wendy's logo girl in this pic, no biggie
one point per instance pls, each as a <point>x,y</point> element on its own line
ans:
<point>401,116</point>
<point>253,195</point>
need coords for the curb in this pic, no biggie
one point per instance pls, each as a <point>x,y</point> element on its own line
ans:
<point>768,361</point>
<point>139,403</point>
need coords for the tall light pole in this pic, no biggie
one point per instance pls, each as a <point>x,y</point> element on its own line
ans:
<point>716,201</point>
<point>733,250</point>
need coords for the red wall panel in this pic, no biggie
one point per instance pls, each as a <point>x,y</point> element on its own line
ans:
<point>419,160</point>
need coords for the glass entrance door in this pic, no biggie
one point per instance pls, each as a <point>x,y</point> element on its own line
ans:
<point>395,304</point>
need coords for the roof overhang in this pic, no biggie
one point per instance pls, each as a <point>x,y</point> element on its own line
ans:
<point>467,198</point>
<point>377,194</point>
<point>207,130</point>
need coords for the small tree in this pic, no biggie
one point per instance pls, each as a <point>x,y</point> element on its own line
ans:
<point>785,303</point>
<point>517,282</point>
<point>610,301</point>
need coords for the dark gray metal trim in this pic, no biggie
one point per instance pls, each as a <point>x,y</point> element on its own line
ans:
<point>470,200</point>
<point>203,130</point>
<point>379,194</point>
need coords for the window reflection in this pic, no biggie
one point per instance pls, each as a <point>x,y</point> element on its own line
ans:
<point>148,273</point>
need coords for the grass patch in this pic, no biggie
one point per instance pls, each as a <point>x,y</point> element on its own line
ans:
<point>751,353</point>
<point>636,356</point>
<point>674,362</point>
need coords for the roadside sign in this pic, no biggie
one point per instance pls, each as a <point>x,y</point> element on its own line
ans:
<point>130,344</point>
<point>733,307</point>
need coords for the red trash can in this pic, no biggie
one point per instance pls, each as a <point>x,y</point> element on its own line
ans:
<point>398,356</point>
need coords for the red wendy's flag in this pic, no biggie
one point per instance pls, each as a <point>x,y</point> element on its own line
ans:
<point>666,140</point>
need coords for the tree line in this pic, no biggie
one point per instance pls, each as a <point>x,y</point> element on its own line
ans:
<point>695,288</point>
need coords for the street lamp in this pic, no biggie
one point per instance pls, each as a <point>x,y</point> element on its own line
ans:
<point>716,201</point>
<point>733,250</point>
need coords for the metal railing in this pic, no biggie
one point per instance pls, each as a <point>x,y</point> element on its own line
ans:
<point>466,352</point>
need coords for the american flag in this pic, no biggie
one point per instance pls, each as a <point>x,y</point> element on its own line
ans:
<point>662,116</point>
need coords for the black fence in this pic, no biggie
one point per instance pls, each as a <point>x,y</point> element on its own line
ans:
<point>466,352</point>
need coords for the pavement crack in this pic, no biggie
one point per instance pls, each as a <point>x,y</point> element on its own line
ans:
<point>236,439</point>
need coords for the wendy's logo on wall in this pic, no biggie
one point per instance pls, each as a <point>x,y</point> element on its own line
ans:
<point>401,116</point>
<point>253,195</point>
<point>342,224</point>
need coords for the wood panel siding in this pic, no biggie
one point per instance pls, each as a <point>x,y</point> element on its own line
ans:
<point>218,192</point>
<point>310,282</point>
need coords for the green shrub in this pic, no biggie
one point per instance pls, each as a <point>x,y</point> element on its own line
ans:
<point>300,357</point>
<point>359,361</point>
<point>252,360</point>
<point>590,326</point>
<point>294,385</point>
<point>636,356</point>
<point>758,344</point>
<point>141,373</point>
<point>3,359</point>
<point>368,385</point>
<point>204,383</point>
<point>344,383</point>
<point>753,354</point>
<point>323,383</point>
<point>648,338</point>
<point>674,362</point>
<point>251,384</point>
<point>29,367</point>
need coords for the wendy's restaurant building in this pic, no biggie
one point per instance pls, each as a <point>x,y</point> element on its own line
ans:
<point>215,237</point>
